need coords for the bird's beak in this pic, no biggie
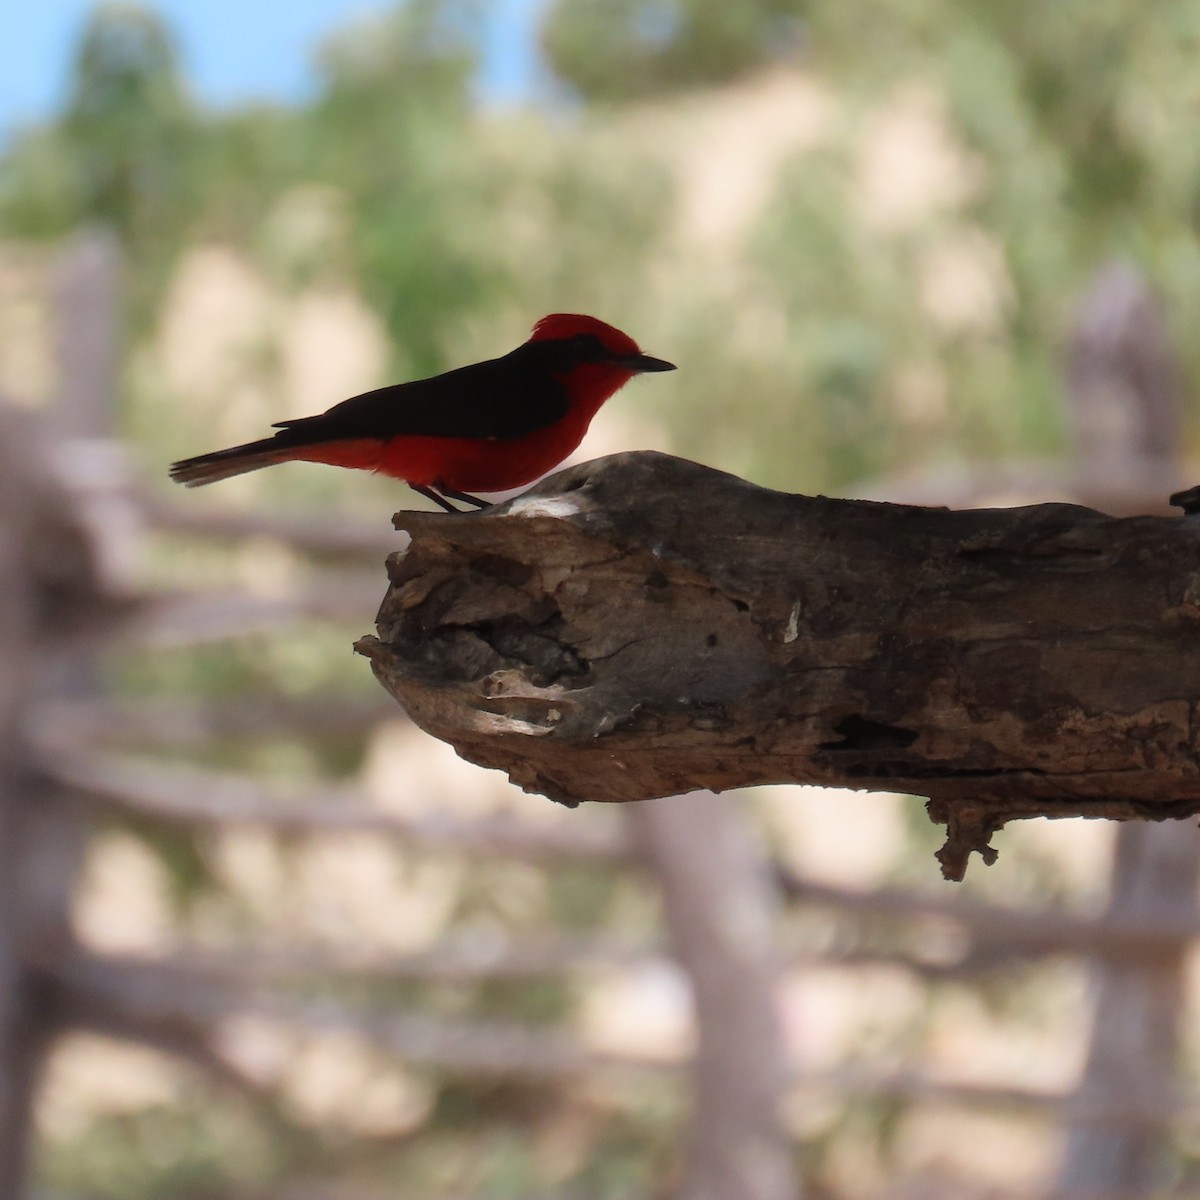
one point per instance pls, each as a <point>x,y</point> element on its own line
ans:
<point>643,362</point>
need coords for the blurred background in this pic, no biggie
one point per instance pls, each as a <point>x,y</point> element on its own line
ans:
<point>262,940</point>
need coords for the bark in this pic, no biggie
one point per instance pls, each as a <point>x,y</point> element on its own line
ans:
<point>643,626</point>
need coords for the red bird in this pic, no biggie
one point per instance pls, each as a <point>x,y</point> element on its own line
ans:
<point>488,427</point>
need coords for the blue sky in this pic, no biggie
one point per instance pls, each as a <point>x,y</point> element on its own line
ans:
<point>233,50</point>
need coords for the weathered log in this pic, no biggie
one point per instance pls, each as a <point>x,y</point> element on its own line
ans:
<point>642,626</point>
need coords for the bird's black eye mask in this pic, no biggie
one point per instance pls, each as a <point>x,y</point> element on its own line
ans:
<point>561,353</point>
<point>588,347</point>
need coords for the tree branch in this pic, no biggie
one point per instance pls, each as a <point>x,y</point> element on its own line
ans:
<point>642,626</point>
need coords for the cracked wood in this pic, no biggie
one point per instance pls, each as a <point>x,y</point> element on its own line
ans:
<point>642,626</point>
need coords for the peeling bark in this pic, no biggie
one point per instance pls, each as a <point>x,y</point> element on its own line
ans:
<point>642,626</point>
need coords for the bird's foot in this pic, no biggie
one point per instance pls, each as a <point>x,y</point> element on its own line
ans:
<point>462,497</point>
<point>442,495</point>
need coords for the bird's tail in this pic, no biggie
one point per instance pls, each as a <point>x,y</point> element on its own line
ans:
<point>224,464</point>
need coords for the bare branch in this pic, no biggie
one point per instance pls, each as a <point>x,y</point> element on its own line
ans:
<point>642,626</point>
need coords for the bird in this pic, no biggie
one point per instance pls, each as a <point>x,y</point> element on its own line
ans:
<point>487,427</point>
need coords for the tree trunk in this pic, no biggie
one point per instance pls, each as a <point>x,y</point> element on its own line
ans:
<point>50,600</point>
<point>1126,403</point>
<point>1131,1067</point>
<point>48,596</point>
<point>22,1020</point>
<point>720,906</point>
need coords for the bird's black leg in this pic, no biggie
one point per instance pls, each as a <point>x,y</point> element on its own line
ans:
<point>430,494</point>
<point>464,497</point>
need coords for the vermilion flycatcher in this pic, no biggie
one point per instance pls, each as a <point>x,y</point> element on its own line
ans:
<point>488,427</point>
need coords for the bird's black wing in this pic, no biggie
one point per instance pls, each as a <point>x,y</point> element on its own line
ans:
<point>498,399</point>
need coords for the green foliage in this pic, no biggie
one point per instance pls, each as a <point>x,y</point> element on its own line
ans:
<point>390,127</point>
<point>194,1149</point>
<point>118,156</point>
<point>39,186</point>
<point>615,50</point>
<point>127,118</point>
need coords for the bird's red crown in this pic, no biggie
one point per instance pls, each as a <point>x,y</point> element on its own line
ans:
<point>559,326</point>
